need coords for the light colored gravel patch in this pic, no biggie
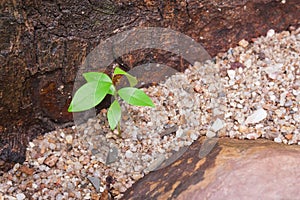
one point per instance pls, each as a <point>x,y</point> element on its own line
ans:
<point>252,91</point>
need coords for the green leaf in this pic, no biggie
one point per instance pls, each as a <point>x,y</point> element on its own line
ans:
<point>114,114</point>
<point>96,76</point>
<point>88,96</point>
<point>135,96</point>
<point>111,90</point>
<point>118,70</point>
<point>132,80</point>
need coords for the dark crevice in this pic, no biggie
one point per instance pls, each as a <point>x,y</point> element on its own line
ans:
<point>187,9</point>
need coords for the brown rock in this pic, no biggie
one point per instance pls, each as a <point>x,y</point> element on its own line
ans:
<point>105,195</point>
<point>288,136</point>
<point>234,169</point>
<point>243,43</point>
<point>27,170</point>
<point>95,196</point>
<point>51,161</point>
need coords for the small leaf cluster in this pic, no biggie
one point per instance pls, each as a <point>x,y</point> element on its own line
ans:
<point>98,86</point>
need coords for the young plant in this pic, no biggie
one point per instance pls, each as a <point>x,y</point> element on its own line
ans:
<point>98,86</point>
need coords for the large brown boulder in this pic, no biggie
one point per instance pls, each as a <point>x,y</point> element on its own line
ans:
<point>234,169</point>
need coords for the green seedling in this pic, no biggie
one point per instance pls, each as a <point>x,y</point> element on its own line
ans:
<point>98,86</point>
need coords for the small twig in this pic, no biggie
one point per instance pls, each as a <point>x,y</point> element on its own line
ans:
<point>169,131</point>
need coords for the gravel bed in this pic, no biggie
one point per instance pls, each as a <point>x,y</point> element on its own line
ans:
<point>252,91</point>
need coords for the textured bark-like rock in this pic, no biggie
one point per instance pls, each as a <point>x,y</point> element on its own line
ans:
<point>234,169</point>
<point>42,43</point>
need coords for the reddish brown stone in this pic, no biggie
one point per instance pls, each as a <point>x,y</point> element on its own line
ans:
<point>27,170</point>
<point>234,169</point>
<point>51,160</point>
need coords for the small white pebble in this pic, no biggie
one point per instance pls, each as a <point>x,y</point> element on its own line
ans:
<point>277,140</point>
<point>34,186</point>
<point>256,116</point>
<point>69,139</point>
<point>243,43</point>
<point>231,74</point>
<point>210,134</point>
<point>62,134</point>
<point>31,144</point>
<point>128,154</point>
<point>20,196</point>
<point>217,125</point>
<point>97,126</point>
<point>52,146</point>
<point>194,136</point>
<point>271,33</point>
<point>59,197</point>
<point>284,141</point>
<point>87,196</point>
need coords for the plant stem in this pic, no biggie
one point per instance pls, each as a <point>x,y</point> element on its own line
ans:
<point>119,129</point>
<point>119,123</point>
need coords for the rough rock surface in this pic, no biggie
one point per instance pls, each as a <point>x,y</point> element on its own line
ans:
<point>234,169</point>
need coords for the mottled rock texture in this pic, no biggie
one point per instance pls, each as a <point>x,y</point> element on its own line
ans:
<point>234,169</point>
